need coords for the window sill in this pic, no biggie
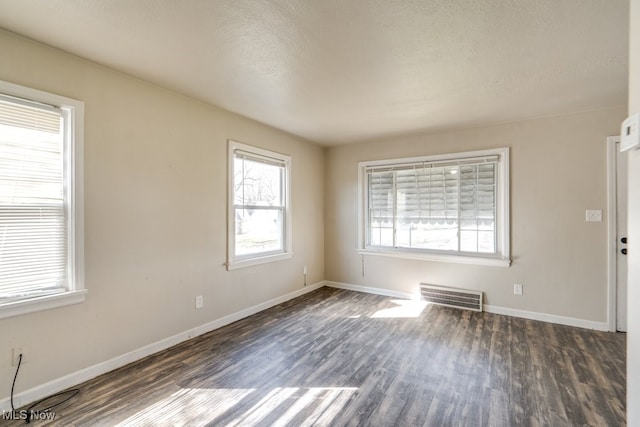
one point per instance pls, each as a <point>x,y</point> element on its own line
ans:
<point>458,259</point>
<point>31,305</point>
<point>242,263</point>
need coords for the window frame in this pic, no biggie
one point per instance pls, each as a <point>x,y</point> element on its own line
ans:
<point>73,176</point>
<point>240,261</point>
<point>502,257</point>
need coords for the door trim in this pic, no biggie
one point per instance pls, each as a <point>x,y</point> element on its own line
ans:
<point>612,235</point>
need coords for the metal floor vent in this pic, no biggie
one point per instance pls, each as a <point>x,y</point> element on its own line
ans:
<point>452,297</point>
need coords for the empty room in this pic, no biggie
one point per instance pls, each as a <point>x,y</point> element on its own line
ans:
<point>299,212</point>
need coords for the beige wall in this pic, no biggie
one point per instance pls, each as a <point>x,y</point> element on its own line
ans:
<point>155,212</point>
<point>558,169</point>
<point>633,335</point>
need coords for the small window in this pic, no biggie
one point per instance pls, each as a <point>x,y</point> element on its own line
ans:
<point>41,258</point>
<point>259,213</point>
<point>448,207</point>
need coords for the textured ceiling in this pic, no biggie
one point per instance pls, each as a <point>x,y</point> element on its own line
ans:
<point>337,71</point>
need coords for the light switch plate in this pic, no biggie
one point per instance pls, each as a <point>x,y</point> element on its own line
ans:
<point>630,133</point>
<point>594,215</point>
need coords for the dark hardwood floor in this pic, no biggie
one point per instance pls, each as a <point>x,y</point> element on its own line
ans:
<point>335,357</point>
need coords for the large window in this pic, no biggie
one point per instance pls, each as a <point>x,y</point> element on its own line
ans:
<point>41,249</point>
<point>259,214</point>
<point>447,207</point>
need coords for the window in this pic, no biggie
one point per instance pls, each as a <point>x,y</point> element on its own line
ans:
<point>446,207</point>
<point>259,212</point>
<point>41,234</point>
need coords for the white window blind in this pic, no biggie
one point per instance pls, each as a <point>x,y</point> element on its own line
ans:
<point>440,206</point>
<point>33,234</point>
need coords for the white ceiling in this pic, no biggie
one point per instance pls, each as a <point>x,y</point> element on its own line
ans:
<point>336,71</point>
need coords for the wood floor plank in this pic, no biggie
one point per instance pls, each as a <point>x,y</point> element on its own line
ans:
<point>340,358</point>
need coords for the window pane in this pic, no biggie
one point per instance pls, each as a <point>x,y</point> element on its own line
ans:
<point>386,236</point>
<point>469,241</point>
<point>259,224</point>
<point>449,207</point>
<point>437,235</point>
<point>381,191</point>
<point>258,230</point>
<point>486,242</point>
<point>407,200</point>
<point>381,208</point>
<point>427,211</point>
<point>381,218</point>
<point>381,236</point>
<point>257,183</point>
<point>31,164</point>
<point>33,228</point>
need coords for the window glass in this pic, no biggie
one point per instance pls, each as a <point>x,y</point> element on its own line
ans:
<point>452,205</point>
<point>41,233</point>
<point>259,228</point>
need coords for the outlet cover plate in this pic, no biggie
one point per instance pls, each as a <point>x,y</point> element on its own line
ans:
<point>594,215</point>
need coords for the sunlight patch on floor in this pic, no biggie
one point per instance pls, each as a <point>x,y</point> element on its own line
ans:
<point>187,405</point>
<point>328,401</point>
<point>194,407</point>
<point>404,309</point>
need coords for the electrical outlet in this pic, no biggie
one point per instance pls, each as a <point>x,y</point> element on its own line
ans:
<point>517,289</point>
<point>199,301</point>
<point>17,351</point>
<point>593,215</point>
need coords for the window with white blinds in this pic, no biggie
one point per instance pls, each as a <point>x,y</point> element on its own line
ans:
<point>259,209</point>
<point>38,252</point>
<point>454,204</point>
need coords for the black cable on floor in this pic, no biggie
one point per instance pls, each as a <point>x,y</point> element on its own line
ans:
<point>72,393</point>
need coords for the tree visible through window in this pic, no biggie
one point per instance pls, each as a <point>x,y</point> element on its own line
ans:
<point>260,195</point>
<point>258,204</point>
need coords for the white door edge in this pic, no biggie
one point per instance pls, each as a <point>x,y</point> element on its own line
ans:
<point>612,236</point>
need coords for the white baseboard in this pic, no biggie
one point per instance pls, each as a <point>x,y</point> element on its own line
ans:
<point>551,318</point>
<point>532,315</point>
<point>78,377</point>
<point>369,290</point>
